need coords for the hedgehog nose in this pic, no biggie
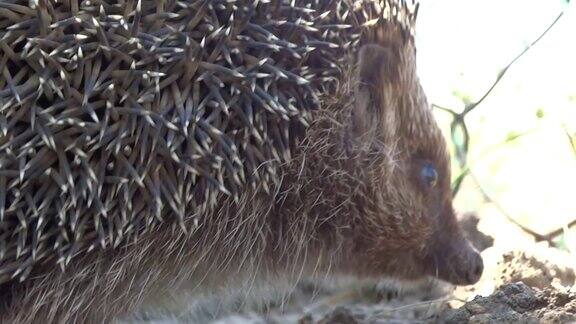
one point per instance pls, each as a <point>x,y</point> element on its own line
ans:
<point>475,269</point>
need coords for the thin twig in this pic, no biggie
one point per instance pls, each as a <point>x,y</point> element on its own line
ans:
<point>571,140</point>
<point>415,305</point>
<point>383,313</point>
<point>473,105</point>
<point>448,110</point>
<point>549,237</point>
<point>503,72</point>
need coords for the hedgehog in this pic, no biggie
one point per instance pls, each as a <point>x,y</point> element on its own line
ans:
<point>153,148</point>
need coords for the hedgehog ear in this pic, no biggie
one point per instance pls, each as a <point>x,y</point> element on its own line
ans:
<point>376,100</point>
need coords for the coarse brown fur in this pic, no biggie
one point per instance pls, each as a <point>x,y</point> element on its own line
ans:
<point>349,201</point>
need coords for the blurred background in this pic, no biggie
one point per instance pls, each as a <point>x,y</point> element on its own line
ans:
<point>520,161</point>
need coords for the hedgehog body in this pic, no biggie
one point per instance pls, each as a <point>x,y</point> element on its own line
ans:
<point>147,143</point>
<point>118,116</point>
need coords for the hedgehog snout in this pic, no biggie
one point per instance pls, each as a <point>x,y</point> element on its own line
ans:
<point>460,266</point>
<point>475,268</point>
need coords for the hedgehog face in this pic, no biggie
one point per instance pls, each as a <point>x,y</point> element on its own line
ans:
<point>406,226</point>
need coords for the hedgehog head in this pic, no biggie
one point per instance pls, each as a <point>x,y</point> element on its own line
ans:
<point>409,228</point>
<point>382,201</point>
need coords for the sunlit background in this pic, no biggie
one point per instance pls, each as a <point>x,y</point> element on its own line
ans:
<point>520,153</point>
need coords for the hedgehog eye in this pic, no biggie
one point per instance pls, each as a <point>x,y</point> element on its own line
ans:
<point>429,175</point>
